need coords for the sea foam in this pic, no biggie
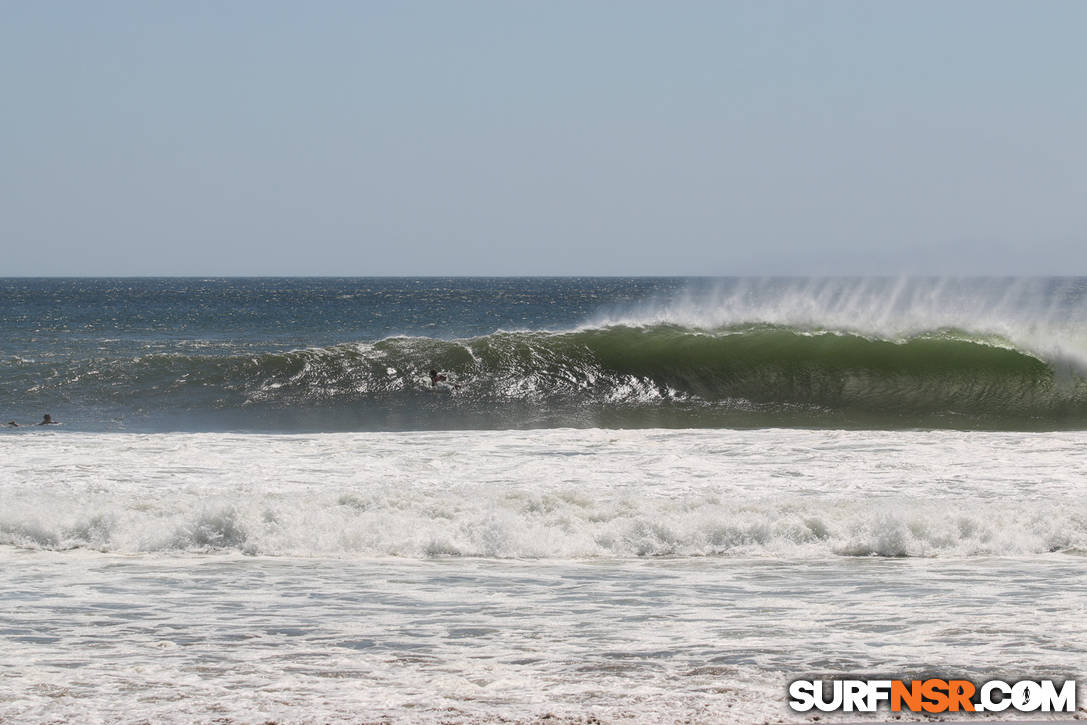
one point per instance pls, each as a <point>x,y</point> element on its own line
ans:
<point>555,494</point>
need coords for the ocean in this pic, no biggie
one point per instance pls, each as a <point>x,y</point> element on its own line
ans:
<point>630,500</point>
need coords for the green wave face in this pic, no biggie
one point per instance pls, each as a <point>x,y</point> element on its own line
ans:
<point>623,376</point>
<point>767,365</point>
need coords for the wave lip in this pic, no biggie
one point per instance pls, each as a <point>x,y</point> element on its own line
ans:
<point>1047,316</point>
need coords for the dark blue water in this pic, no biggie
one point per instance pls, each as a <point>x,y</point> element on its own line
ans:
<point>354,354</point>
<point>78,317</point>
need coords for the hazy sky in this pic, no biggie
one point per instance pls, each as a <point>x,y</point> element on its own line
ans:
<point>550,137</point>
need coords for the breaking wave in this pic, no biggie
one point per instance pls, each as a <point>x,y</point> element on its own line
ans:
<point>618,375</point>
<point>971,353</point>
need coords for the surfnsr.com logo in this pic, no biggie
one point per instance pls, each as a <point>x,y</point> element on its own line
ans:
<point>932,696</point>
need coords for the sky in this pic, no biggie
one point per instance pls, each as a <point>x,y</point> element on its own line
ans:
<point>566,137</point>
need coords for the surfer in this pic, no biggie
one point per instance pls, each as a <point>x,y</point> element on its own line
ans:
<point>12,424</point>
<point>436,377</point>
<point>48,420</point>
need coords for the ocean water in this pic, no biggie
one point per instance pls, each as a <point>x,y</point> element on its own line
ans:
<point>635,500</point>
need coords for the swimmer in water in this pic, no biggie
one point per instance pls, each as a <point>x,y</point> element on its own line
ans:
<point>48,420</point>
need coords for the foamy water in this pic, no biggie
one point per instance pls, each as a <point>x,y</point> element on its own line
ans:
<point>635,576</point>
<point>549,494</point>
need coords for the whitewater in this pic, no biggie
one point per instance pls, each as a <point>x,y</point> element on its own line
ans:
<point>632,576</point>
<point>648,500</point>
<point>550,494</point>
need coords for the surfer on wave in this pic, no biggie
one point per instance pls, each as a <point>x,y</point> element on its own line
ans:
<point>436,377</point>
